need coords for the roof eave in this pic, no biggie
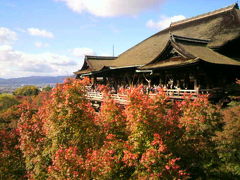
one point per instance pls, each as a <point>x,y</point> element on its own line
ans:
<point>124,67</point>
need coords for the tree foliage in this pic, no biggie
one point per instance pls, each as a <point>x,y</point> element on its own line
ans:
<point>26,91</point>
<point>228,142</point>
<point>6,101</point>
<point>62,137</point>
<point>47,88</point>
<point>12,164</point>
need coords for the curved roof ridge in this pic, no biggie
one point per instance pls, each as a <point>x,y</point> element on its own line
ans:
<point>205,15</point>
<point>101,57</point>
<point>189,39</point>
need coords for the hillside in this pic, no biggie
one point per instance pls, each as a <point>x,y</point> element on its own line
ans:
<point>33,80</point>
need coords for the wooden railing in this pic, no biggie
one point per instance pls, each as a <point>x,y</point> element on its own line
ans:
<point>180,93</point>
<point>97,96</point>
<point>171,93</point>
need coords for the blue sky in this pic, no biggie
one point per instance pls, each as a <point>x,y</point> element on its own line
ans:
<point>51,37</point>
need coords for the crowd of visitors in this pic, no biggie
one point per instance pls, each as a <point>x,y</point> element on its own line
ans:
<point>119,88</point>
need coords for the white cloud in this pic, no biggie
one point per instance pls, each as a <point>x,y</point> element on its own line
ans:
<point>81,52</point>
<point>19,64</point>
<point>7,36</point>
<point>40,32</point>
<point>164,22</point>
<point>110,8</point>
<point>41,45</point>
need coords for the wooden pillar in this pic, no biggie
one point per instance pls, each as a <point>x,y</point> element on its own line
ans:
<point>178,84</point>
<point>94,80</point>
<point>195,83</point>
<point>160,81</point>
<point>104,80</point>
<point>187,81</point>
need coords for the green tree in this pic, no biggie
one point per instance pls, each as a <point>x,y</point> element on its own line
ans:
<point>47,89</point>
<point>228,143</point>
<point>12,164</point>
<point>26,91</point>
<point>6,101</point>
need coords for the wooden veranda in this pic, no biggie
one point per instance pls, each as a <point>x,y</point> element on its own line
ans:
<point>174,94</point>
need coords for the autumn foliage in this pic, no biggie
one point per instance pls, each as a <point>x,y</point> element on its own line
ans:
<point>60,136</point>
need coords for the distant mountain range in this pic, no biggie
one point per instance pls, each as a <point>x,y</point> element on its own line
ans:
<point>33,80</point>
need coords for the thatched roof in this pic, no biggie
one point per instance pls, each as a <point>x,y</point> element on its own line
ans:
<point>85,71</point>
<point>169,63</point>
<point>95,63</point>
<point>206,54</point>
<point>219,26</point>
<point>189,50</point>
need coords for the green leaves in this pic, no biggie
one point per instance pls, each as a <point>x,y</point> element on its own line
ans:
<point>228,142</point>
<point>26,91</point>
<point>6,101</point>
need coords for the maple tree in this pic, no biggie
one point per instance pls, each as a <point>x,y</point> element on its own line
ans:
<point>60,136</point>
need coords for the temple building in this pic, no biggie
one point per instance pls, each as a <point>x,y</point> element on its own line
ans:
<point>200,53</point>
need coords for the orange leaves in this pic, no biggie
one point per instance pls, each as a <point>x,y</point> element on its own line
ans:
<point>105,162</point>
<point>158,162</point>
<point>67,164</point>
<point>130,159</point>
<point>11,164</point>
<point>198,115</point>
<point>59,120</point>
<point>150,138</point>
<point>111,120</point>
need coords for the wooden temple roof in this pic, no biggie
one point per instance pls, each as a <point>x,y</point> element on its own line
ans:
<point>220,27</point>
<point>169,63</point>
<point>95,63</point>
<point>209,14</point>
<point>206,54</point>
<point>85,71</point>
<point>190,51</point>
